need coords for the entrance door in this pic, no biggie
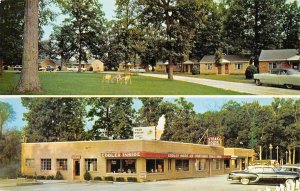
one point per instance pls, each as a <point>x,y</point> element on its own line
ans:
<point>76,169</point>
<point>219,69</point>
<point>226,69</point>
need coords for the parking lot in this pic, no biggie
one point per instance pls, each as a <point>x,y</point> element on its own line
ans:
<point>216,183</point>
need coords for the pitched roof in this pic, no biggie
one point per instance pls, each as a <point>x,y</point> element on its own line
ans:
<point>225,59</point>
<point>279,55</point>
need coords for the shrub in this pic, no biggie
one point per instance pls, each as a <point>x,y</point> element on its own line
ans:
<point>91,69</point>
<point>59,176</point>
<point>98,178</point>
<point>250,71</point>
<point>29,177</point>
<point>120,179</point>
<point>87,176</point>
<point>41,177</point>
<point>5,67</point>
<point>195,70</point>
<point>109,178</point>
<point>132,179</point>
<point>50,177</point>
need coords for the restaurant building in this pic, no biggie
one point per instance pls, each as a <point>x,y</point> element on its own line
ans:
<point>145,160</point>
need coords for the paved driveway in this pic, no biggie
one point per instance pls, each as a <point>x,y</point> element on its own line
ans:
<point>233,86</point>
<point>216,183</point>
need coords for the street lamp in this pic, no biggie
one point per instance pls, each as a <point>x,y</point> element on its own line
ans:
<point>286,157</point>
<point>271,147</point>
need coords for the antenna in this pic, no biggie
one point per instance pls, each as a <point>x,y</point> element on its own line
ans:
<point>203,136</point>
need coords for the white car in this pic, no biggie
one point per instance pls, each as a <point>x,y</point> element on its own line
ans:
<point>138,70</point>
<point>75,69</point>
<point>284,77</point>
<point>18,67</point>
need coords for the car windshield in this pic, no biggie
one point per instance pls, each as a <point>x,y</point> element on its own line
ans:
<point>292,72</point>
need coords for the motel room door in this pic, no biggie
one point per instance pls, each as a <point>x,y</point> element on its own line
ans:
<point>219,69</point>
<point>226,69</point>
<point>76,168</point>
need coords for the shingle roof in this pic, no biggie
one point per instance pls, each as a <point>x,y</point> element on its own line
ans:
<point>226,59</point>
<point>279,55</point>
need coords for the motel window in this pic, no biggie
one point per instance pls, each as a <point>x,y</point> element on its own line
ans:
<point>91,165</point>
<point>45,164</point>
<point>62,164</point>
<point>169,164</point>
<point>182,165</point>
<point>155,165</point>
<point>200,164</point>
<point>227,163</point>
<point>29,163</point>
<point>273,65</point>
<point>208,66</point>
<point>238,66</point>
<point>216,164</point>
<point>121,165</point>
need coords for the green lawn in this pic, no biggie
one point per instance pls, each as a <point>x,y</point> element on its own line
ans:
<point>63,83</point>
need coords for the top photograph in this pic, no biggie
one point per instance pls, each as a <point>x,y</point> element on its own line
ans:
<point>149,47</point>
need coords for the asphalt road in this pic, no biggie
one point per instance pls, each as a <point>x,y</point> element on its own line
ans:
<point>216,183</point>
<point>233,86</point>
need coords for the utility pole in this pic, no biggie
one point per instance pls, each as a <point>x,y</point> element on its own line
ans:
<point>271,147</point>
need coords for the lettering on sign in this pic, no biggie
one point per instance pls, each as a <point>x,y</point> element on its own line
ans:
<point>144,133</point>
<point>214,141</point>
<point>121,155</point>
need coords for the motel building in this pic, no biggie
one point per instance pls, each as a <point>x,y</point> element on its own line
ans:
<point>145,160</point>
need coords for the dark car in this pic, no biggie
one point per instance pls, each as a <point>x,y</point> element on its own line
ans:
<point>254,174</point>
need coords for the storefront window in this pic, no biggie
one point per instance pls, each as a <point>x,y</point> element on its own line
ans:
<point>45,164</point>
<point>62,164</point>
<point>29,163</point>
<point>216,164</point>
<point>155,165</point>
<point>91,165</point>
<point>182,165</point>
<point>227,163</point>
<point>121,165</point>
<point>200,164</point>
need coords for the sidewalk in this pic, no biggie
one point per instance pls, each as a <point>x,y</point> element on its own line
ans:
<point>233,86</point>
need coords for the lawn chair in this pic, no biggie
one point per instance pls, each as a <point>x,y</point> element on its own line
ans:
<point>117,78</point>
<point>127,79</point>
<point>107,78</point>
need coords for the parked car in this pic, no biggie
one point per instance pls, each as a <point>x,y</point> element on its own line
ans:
<point>285,77</point>
<point>138,70</point>
<point>49,68</point>
<point>18,67</point>
<point>290,168</point>
<point>75,69</point>
<point>254,174</point>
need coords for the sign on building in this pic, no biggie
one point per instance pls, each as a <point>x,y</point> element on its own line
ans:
<point>215,141</point>
<point>144,133</point>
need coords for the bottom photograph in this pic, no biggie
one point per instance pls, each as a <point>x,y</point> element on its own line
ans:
<point>149,143</point>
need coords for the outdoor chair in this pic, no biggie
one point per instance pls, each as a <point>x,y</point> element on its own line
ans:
<point>107,78</point>
<point>117,78</point>
<point>127,79</point>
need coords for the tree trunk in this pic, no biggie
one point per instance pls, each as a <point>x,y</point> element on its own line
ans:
<point>1,66</point>
<point>171,68</point>
<point>29,80</point>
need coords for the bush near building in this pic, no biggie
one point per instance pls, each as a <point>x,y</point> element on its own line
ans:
<point>250,71</point>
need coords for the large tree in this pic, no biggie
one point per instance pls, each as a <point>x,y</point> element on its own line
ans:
<point>6,114</point>
<point>86,23</point>
<point>54,119</point>
<point>149,114</point>
<point>176,26</point>
<point>29,79</point>
<point>113,118</point>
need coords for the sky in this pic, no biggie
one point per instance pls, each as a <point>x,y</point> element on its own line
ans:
<point>108,8</point>
<point>201,105</point>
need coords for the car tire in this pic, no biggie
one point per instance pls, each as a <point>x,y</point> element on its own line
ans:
<point>245,181</point>
<point>289,181</point>
<point>289,86</point>
<point>258,83</point>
